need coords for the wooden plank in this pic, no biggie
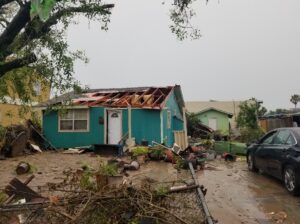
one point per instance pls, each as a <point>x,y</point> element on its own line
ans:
<point>19,189</point>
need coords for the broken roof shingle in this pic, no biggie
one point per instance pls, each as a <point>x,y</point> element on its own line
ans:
<point>139,97</point>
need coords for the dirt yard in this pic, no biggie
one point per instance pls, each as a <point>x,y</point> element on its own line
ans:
<point>49,167</point>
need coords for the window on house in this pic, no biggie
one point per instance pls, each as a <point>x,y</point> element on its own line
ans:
<point>169,117</point>
<point>37,88</point>
<point>74,120</point>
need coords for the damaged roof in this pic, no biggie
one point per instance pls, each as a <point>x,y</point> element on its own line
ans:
<point>137,97</point>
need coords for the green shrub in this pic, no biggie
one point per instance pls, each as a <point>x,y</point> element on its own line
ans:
<point>140,151</point>
<point>108,169</point>
<point>250,135</point>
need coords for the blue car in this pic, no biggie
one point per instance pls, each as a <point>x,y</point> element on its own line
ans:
<point>278,154</point>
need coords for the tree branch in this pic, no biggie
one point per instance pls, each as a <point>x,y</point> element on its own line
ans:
<point>5,2</point>
<point>17,63</point>
<point>36,28</point>
<point>14,28</point>
<point>13,40</point>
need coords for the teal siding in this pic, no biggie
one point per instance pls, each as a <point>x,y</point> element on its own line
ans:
<point>176,124</point>
<point>74,139</point>
<point>125,121</point>
<point>168,133</point>
<point>145,125</point>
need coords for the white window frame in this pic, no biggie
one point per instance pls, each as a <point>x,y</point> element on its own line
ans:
<point>73,119</point>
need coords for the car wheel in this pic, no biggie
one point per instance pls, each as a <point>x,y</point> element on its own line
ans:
<point>289,178</point>
<point>250,162</point>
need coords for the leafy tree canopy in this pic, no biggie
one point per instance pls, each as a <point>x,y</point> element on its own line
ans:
<point>250,110</point>
<point>32,35</point>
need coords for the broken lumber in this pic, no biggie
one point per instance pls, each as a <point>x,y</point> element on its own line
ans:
<point>29,179</point>
<point>41,135</point>
<point>182,188</point>
<point>19,189</point>
<point>19,144</point>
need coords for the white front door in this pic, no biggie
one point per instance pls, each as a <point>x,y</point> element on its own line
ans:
<point>114,127</point>
<point>212,123</point>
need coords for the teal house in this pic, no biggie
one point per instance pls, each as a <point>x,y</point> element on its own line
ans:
<point>216,119</point>
<point>108,116</point>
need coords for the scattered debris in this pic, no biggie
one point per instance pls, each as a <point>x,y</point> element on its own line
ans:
<point>182,188</point>
<point>19,140</point>
<point>74,151</point>
<point>18,145</point>
<point>22,168</point>
<point>12,196</point>
<point>278,217</point>
<point>36,148</point>
<point>17,189</point>
<point>134,165</point>
<point>229,157</point>
<point>79,199</point>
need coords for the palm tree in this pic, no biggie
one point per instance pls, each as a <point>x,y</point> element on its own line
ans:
<point>295,99</point>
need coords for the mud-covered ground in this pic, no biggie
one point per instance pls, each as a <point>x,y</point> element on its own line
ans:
<point>236,195</point>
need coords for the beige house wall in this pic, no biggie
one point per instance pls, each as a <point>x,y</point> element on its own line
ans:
<point>10,111</point>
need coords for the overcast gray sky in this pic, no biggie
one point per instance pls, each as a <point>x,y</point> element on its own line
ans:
<point>248,48</point>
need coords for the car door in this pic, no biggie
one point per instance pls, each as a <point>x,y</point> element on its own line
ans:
<point>262,150</point>
<point>282,142</point>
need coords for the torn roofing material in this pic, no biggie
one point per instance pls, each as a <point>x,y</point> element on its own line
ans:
<point>139,97</point>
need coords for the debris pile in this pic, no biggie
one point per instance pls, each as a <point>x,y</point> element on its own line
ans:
<point>18,140</point>
<point>86,196</point>
<point>197,154</point>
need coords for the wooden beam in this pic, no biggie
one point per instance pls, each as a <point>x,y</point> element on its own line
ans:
<point>153,94</point>
<point>120,99</point>
<point>100,100</point>
<point>153,104</point>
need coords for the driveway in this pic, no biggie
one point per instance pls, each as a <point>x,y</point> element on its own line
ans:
<point>236,195</point>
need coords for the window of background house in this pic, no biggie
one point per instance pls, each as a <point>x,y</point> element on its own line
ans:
<point>74,120</point>
<point>37,88</point>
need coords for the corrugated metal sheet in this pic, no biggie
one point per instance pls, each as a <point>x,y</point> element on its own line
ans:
<point>180,139</point>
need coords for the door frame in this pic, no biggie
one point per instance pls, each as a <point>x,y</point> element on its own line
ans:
<point>106,122</point>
